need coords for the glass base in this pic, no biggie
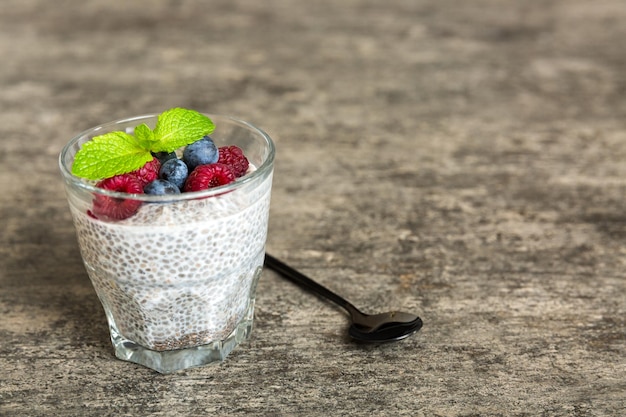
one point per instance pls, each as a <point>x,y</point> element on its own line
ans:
<point>169,361</point>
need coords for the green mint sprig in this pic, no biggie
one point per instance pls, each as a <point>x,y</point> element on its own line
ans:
<point>116,153</point>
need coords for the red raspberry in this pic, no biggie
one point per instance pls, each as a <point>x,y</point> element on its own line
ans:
<point>149,172</point>
<point>208,176</point>
<point>111,208</point>
<point>233,157</point>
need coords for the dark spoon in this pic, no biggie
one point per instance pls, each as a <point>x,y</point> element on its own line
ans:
<point>376,328</point>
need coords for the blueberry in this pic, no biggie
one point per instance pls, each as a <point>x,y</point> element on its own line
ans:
<point>174,171</point>
<point>201,152</point>
<point>164,156</point>
<point>161,187</point>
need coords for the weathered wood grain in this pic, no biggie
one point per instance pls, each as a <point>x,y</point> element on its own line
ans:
<point>463,160</point>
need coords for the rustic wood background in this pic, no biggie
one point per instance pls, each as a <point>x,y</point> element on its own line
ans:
<point>462,160</point>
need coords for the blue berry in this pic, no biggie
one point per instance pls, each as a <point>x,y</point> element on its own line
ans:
<point>164,156</point>
<point>201,152</point>
<point>174,171</point>
<point>161,187</point>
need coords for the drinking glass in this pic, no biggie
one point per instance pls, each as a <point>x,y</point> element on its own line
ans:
<point>177,279</point>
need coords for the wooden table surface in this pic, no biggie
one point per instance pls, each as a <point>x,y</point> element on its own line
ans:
<point>461,160</point>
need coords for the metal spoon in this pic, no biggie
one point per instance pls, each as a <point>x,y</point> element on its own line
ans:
<point>376,328</point>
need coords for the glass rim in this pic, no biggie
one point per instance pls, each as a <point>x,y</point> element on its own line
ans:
<point>89,185</point>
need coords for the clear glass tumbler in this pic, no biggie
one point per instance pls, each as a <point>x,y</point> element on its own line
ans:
<point>177,280</point>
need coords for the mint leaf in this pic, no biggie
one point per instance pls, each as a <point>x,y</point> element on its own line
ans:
<point>144,136</point>
<point>116,153</point>
<point>110,154</point>
<point>179,127</point>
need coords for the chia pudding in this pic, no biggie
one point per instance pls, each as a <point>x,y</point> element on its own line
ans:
<point>178,275</point>
<point>177,278</point>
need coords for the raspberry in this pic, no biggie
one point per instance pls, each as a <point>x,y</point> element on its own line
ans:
<point>209,176</point>
<point>111,208</point>
<point>233,157</point>
<point>149,172</point>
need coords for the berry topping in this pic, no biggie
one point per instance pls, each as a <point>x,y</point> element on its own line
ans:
<point>209,176</point>
<point>180,154</point>
<point>149,172</point>
<point>161,187</point>
<point>233,157</point>
<point>201,152</point>
<point>111,208</point>
<point>174,171</point>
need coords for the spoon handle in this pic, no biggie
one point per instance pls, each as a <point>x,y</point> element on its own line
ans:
<point>306,282</point>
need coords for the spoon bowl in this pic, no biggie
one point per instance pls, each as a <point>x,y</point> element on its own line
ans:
<point>387,333</point>
<point>365,328</point>
<point>383,327</point>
